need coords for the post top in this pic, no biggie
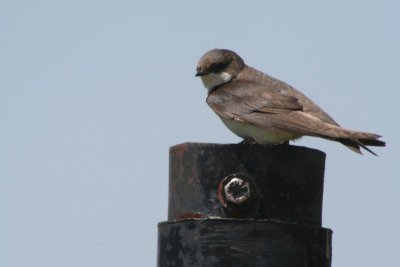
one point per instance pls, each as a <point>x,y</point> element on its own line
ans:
<point>248,181</point>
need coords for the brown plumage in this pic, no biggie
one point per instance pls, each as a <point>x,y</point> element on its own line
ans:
<point>256,106</point>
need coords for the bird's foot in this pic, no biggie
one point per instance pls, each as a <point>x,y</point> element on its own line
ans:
<point>284,143</point>
<point>248,141</point>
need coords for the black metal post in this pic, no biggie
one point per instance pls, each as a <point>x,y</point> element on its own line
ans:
<point>244,205</point>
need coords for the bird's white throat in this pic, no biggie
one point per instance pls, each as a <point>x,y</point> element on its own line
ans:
<point>212,80</point>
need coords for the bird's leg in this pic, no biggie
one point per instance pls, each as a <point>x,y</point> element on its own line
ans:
<point>248,141</point>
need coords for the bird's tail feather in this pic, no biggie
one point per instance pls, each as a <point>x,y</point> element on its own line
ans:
<point>354,140</point>
<point>355,145</point>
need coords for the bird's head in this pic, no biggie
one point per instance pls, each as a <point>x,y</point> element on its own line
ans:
<point>218,66</point>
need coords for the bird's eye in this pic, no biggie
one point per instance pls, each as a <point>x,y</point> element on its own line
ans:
<point>219,66</point>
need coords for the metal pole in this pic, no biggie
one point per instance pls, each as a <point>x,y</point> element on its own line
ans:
<point>244,205</point>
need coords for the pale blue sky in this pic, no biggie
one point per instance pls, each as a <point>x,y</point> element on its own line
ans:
<point>92,94</point>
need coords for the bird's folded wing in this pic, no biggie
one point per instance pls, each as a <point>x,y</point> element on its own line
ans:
<point>248,98</point>
<point>271,110</point>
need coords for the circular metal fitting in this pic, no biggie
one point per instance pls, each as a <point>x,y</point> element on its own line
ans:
<point>237,193</point>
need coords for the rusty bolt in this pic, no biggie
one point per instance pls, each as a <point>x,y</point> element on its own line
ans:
<point>237,191</point>
<point>238,195</point>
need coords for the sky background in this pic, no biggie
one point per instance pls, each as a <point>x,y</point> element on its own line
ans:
<point>93,93</point>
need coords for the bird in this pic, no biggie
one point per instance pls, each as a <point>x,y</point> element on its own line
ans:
<point>264,110</point>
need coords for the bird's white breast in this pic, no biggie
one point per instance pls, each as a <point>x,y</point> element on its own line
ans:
<point>212,80</point>
<point>261,135</point>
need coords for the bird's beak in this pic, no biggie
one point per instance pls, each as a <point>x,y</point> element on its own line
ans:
<point>200,72</point>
